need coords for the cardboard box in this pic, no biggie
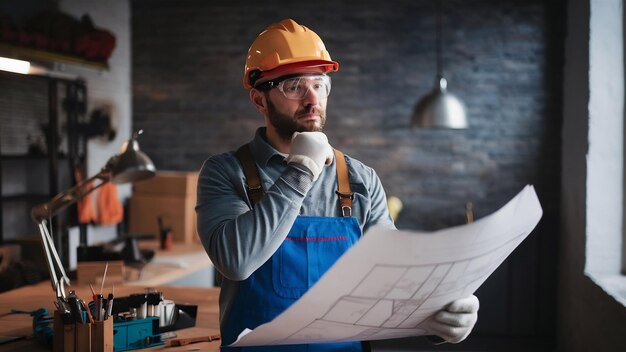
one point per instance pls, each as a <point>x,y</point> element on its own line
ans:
<point>170,195</point>
<point>169,183</point>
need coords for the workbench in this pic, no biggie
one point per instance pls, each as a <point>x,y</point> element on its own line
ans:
<point>182,261</point>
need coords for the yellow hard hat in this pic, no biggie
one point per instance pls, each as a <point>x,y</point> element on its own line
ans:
<point>283,47</point>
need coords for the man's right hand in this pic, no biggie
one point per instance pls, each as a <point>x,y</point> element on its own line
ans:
<point>455,322</point>
<point>312,150</point>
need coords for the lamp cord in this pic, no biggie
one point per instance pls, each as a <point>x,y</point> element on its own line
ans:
<point>439,40</point>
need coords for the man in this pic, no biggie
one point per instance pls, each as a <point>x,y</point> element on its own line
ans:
<point>276,214</point>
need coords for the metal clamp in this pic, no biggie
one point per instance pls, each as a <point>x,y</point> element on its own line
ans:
<point>345,203</point>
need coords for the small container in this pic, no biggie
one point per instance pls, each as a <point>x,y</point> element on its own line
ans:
<point>88,337</point>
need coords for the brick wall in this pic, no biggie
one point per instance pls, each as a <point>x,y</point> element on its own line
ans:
<point>502,58</point>
<point>189,55</point>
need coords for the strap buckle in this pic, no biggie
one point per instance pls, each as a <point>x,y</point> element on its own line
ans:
<point>343,196</point>
<point>345,203</point>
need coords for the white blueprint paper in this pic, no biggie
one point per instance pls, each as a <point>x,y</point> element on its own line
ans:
<point>391,281</point>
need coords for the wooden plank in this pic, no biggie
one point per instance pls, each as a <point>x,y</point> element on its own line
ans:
<point>92,273</point>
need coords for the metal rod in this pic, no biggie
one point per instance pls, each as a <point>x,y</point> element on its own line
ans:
<point>53,151</point>
<point>68,197</point>
<point>56,257</point>
<point>44,243</point>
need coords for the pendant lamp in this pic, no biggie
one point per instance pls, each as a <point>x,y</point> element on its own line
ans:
<point>439,108</point>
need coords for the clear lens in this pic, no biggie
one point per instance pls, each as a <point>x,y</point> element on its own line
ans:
<point>297,87</point>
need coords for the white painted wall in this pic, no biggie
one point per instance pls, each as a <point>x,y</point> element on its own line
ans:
<point>590,318</point>
<point>606,129</point>
<point>109,86</point>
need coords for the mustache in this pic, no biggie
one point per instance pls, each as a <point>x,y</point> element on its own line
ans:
<point>309,110</point>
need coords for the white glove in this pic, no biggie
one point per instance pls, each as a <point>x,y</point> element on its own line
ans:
<point>455,322</point>
<point>312,150</point>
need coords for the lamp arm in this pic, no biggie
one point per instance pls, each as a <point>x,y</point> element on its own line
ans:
<point>68,197</point>
<point>52,258</point>
<point>42,212</point>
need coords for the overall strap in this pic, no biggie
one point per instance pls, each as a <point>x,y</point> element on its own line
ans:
<point>255,191</point>
<point>343,185</point>
<point>253,180</point>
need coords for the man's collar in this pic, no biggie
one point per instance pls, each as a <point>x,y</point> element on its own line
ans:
<point>262,151</point>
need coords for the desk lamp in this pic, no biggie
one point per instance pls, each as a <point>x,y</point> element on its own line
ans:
<point>131,165</point>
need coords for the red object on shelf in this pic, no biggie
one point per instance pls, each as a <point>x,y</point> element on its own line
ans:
<point>61,33</point>
<point>96,45</point>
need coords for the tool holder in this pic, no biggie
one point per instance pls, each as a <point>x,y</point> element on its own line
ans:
<point>77,337</point>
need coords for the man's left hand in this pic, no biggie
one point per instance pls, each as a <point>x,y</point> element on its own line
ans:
<point>455,322</point>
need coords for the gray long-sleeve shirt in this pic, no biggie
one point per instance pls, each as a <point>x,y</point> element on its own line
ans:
<point>239,239</point>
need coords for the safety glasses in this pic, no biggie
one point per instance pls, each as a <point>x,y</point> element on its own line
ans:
<point>297,87</point>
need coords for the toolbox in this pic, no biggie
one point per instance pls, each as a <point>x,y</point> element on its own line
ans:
<point>136,333</point>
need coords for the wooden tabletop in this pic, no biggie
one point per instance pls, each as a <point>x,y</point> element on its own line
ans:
<point>41,296</point>
<point>168,265</point>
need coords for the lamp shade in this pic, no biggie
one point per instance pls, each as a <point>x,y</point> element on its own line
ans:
<point>439,109</point>
<point>131,165</point>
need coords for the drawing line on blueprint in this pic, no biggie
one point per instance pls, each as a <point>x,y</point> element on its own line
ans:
<point>412,304</point>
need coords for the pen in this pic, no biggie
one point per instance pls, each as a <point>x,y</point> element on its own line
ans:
<point>99,307</point>
<point>93,292</point>
<point>86,308</point>
<point>109,306</point>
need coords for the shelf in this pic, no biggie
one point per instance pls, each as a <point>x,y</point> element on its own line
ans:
<point>27,157</point>
<point>28,179</point>
<point>23,53</point>
<point>24,157</point>
<point>25,197</point>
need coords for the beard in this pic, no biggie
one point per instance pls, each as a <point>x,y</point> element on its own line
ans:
<point>286,125</point>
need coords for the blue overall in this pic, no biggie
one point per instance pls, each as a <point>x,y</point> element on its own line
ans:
<point>311,247</point>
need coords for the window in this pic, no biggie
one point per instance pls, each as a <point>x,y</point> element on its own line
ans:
<point>605,156</point>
